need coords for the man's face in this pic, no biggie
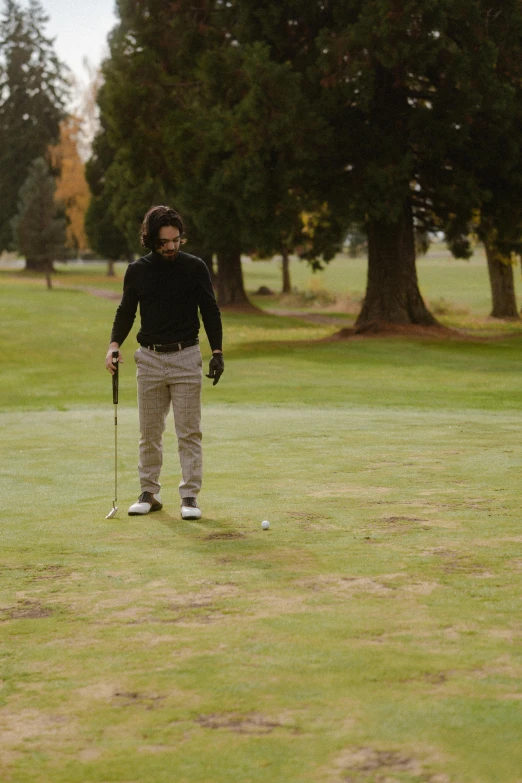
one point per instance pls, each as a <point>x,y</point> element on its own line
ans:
<point>169,241</point>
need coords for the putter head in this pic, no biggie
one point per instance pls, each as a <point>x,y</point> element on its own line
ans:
<point>112,512</point>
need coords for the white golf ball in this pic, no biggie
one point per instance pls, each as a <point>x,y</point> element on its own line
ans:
<point>265,524</point>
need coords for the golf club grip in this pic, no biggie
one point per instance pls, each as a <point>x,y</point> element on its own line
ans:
<point>115,385</point>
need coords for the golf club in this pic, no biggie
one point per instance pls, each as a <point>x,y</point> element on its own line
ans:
<point>115,355</point>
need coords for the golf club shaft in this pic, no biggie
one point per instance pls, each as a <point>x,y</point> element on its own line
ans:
<point>115,388</point>
<point>115,454</point>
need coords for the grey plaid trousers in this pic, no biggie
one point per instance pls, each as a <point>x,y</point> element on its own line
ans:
<point>165,380</point>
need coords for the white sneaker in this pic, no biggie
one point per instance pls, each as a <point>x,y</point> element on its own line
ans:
<point>190,509</point>
<point>146,502</point>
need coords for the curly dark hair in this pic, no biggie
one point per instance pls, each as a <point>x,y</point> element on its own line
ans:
<point>156,218</point>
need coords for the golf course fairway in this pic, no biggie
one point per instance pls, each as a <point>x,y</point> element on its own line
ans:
<point>372,634</point>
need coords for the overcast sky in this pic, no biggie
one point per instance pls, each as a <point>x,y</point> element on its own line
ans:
<point>80,29</point>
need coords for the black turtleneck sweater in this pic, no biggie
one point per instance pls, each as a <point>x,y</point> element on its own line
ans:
<point>169,292</point>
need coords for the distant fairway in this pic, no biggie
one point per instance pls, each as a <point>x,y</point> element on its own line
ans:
<point>457,290</point>
<point>371,635</point>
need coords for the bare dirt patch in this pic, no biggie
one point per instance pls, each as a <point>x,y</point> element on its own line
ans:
<point>385,584</point>
<point>202,607</point>
<point>253,723</point>
<point>202,611</point>
<point>362,765</point>
<point>16,728</point>
<point>473,504</point>
<point>49,572</point>
<point>511,539</point>
<point>157,602</point>
<point>451,561</point>
<point>102,691</point>
<point>25,610</point>
<point>136,699</point>
<point>37,573</point>
<point>395,520</point>
<point>506,634</point>
<point>505,666</point>
<point>89,754</point>
<point>224,536</point>
<point>400,524</point>
<point>350,585</point>
<point>369,760</point>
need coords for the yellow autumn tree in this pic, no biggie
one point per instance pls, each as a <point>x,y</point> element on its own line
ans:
<point>72,189</point>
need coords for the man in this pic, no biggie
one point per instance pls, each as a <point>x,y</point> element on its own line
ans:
<point>169,286</point>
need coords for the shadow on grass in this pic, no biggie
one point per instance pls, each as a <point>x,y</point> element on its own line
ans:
<point>214,537</point>
<point>207,529</point>
<point>175,522</point>
<point>386,350</point>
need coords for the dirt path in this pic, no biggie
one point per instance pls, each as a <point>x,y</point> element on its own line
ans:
<point>104,293</point>
<point>345,333</point>
<point>316,318</point>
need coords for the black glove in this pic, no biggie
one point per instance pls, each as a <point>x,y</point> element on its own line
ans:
<point>216,367</point>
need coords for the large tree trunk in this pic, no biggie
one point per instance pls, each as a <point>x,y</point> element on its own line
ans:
<point>33,265</point>
<point>230,287</point>
<point>110,268</point>
<point>502,283</point>
<point>392,292</point>
<point>286,273</point>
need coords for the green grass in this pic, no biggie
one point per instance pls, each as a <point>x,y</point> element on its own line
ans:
<point>464,284</point>
<point>372,634</point>
<point>440,276</point>
<point>457,291</point>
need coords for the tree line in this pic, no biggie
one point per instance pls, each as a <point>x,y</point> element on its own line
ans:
<point>274,126</point>
<point>43,191</point>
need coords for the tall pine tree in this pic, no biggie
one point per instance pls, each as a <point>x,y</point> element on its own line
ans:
<point>39,229</point>
<point>33,91</point>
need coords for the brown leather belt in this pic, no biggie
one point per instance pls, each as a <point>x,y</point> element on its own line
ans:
<point>171,347</point>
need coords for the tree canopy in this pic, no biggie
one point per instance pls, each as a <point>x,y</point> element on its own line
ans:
<point>250,114</point>
<point>223,131</point>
